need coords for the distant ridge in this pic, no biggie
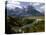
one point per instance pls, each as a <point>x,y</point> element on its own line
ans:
<point>31,11</point>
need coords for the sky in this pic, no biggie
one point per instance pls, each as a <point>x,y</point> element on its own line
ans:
<point>38,6</point>
<point>28,0</point>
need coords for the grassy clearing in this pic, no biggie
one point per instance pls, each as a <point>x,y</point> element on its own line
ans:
<point>27,23</point>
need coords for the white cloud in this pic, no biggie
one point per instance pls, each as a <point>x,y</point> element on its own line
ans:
<point>14,4</point>
<point>10,6</point>
<point>40,9</point>
<point>35,4</point>
<point>39,6</point>
<point>28,0</point>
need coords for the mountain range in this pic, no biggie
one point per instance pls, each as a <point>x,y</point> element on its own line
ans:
<point>29,11</point>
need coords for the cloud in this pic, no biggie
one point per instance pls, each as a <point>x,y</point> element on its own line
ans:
<point>28,0</point>
<point>36,4</point>
<point>39,6</point>
<point>40,9</point>
<point>12,5</point>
